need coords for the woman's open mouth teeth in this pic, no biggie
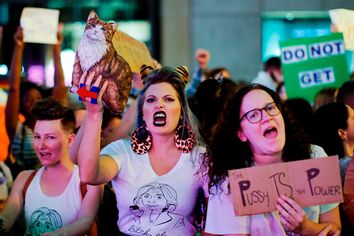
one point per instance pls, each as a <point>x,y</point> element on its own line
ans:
<point>271,132</point>
<point>159,118</point>
<point>45,154</point>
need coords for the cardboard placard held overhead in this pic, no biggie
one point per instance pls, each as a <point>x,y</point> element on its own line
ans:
<point>343,21</point>
<point>133,51</point>
<point>310,182</point>
<point>40,25</point>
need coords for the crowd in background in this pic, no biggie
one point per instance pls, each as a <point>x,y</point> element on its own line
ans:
<point>174,138</point>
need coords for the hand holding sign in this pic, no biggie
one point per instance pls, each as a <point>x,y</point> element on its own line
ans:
<point>310,182</point>
<point>292,215</point>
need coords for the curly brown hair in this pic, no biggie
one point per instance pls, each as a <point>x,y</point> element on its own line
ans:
<point>226,151</point>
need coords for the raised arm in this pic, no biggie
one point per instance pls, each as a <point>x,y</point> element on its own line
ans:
<point>93,169</point>
<point>74,149</point>
<point>202,57</point>
<point>128,120</point>
<point>13,101</point>
<point>59,90</point>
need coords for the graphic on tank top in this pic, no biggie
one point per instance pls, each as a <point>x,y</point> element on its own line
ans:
<point>44,220</point>
<point>153,211</point>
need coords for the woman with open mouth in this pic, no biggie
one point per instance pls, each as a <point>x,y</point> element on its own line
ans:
<point>158,174</point>
<point>257,130</point>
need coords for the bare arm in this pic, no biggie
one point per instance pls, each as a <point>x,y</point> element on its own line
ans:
<point>14,203</point>
<point>59,91</point>
<point>126,124</point>
<point>329,220</point>
<point>13,101</point>
<point>74,149</point>
<point>93,169</point>
<point>294,218</point>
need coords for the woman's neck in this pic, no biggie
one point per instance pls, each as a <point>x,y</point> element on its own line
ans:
<point>163,144</point>
<point>348,149</point>
<point>62,165</point>
<point>263,159</point>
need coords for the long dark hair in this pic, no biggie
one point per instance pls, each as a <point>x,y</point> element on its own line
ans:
<point>227,151</point>
<point>327,120</point>
<point>208,102</point>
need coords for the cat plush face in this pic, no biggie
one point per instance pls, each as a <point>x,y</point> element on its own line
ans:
<point>98,30</point>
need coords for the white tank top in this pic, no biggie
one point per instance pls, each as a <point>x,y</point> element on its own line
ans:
<point>46,213</point>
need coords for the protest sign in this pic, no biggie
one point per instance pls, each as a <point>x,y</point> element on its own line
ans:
<point>40,25</point>
<point>133,51</point>
<point>311,64</point>
<point>343,21</point>
<point>310,182</point>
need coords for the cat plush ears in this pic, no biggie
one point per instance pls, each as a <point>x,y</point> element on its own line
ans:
<point>183,73</point>
<point>144,71</point>
<point>181,70</point>
<point>93,16</point>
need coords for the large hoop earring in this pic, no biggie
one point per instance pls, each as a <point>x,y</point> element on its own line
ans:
<point>141,140</point>
<point>184,138</point>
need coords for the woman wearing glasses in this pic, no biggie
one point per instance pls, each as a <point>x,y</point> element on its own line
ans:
<point>258,131</point>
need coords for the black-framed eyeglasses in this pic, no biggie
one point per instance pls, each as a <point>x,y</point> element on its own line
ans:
<point>256,115</point>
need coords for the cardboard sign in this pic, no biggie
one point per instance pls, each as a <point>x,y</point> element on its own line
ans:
<point>133,51</point>
<point>343,21</point>
<point>310,182</point>
<point>311,64</point>
<point>39,25</point>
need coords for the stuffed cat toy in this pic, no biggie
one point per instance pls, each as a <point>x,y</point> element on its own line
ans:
<point>95,52</point>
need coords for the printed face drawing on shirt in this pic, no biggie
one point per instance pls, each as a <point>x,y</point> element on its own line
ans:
<point>153,206</point>
<point>44,220</point>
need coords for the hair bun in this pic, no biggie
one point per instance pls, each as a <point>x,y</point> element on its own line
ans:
<point>183,72</point>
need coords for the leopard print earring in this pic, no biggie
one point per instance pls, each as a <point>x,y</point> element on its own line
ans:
<point>184,138</point>
<point>141,140</point>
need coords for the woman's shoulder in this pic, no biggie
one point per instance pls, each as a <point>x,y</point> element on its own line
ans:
<point>197,154</point>
<point>317,151</point>
<point>199,150</point>
<point>25,177</point>
<point>118,144</point>
<point>123,141</point>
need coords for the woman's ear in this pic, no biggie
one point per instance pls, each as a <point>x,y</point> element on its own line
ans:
<point>342,134</point>
<point>71,138</point>
<point>241,135</point>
